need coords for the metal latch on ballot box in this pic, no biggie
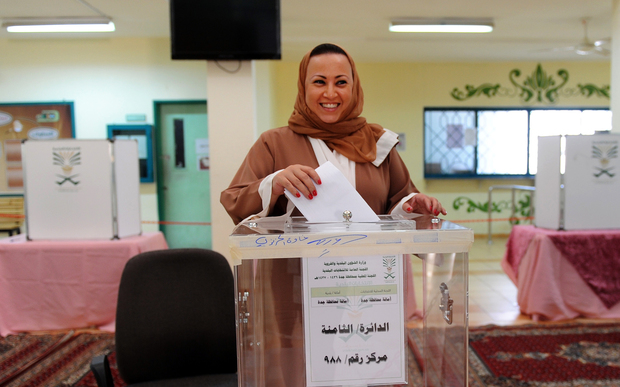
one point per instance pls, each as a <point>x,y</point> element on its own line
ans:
<point>446,304</point>
<point>243,307</point>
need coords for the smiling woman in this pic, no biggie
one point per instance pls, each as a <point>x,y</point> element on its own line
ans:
<point>325,125</point>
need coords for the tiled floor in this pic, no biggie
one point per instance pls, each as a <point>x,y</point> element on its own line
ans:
<point>492,295</point>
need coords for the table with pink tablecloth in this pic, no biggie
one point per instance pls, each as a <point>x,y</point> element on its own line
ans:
<point>565,274</point>
<point>48,285</point>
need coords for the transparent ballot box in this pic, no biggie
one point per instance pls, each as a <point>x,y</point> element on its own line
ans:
<point>323,304</point>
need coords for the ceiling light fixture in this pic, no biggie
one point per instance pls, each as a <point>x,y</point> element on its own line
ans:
<point>442,25</point>
<point>84,24</point>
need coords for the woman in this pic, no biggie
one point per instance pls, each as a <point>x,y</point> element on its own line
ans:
<point>325,126</point>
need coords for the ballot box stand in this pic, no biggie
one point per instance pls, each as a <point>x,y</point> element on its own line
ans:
<point>276,333</point>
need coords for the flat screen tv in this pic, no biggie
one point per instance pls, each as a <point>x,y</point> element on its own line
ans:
<point>225,29</point>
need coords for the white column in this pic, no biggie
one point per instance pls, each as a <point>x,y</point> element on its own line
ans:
<point>615,67</point>
<point>231,110</point>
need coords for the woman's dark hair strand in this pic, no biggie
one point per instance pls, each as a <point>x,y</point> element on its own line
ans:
<point>327,48</point>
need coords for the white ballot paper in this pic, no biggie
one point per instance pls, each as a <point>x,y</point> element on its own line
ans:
<point>334,196</point>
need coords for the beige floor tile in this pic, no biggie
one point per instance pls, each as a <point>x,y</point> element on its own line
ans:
<point>480,319</point>
<point>503,306</point>
<point>492,295</point>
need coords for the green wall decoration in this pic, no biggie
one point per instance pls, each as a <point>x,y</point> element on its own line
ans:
<point>539,87</point>
<point>539,84</point>
<point>484,207</point>
<point>487,89</point>
<point>523,206</point>
<point>589,89</point>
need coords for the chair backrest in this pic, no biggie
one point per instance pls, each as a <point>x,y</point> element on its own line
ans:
<point>175,316</point>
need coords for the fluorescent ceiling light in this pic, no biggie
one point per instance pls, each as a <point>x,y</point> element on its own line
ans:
<point>442,25</point>
<point>59,25</point>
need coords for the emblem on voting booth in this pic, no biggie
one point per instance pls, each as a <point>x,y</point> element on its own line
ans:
<point>66,159</point>
<point>604,152</point>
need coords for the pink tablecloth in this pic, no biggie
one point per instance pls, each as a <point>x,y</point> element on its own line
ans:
<point>46,285</point>
<point>562,275</point>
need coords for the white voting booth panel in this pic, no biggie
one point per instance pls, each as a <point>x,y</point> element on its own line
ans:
<point>81,189</point>
<point>548,183</point>
<point>586,195</point>
<point>321,304</point>
<point>592,182</point>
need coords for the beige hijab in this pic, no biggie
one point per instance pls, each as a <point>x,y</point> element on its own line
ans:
<point>351,136</point>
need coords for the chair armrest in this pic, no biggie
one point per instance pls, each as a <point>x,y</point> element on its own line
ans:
<point>101,368</point>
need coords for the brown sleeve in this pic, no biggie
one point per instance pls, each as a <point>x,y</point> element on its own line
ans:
<point>241,198</point>
<point>400,181</point>
<point>275,149</point>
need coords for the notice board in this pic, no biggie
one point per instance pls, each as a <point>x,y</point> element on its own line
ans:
<point>33,121</point>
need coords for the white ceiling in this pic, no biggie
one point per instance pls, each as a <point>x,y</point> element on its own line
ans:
<point>525,30</point>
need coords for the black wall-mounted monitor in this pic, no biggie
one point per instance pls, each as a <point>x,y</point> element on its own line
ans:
<point>225,29</point>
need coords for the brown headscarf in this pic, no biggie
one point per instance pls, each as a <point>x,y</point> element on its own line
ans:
<point>351,136</point>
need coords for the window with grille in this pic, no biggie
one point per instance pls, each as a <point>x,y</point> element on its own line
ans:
<point>491,142</point>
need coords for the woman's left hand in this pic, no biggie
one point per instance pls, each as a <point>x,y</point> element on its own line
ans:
<point>424,204</point>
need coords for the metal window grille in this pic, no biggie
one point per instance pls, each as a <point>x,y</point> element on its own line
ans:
<point>491,142</point>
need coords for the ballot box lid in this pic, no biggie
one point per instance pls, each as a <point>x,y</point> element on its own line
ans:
<point>288,237</point>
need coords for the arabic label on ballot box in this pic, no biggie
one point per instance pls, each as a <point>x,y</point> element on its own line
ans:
<point>353,320</point>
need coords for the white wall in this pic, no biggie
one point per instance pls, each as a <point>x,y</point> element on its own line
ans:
<point>106,79</point>
<point>240,105</point>
<point>265,90</point>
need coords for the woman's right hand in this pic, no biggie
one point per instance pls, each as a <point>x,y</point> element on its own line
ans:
<point>298,179</point>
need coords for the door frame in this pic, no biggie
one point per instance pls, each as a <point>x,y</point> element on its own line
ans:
<point>159,168</point>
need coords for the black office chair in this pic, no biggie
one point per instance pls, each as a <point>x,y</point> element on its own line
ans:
<point>175,321</point>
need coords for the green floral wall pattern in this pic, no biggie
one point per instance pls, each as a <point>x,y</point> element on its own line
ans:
<point>539,87</point>
<point>523,206</point>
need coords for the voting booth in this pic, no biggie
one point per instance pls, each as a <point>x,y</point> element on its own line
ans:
<point>321,304</point>
<point>582,194</point>
<point>81,189</point>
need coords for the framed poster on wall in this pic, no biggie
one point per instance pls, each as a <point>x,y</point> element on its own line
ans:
<point>29,120</point>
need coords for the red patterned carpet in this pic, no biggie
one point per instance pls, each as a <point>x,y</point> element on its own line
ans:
<point>539,355</point>
<point>546,355</point>
<point>49,360</point>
